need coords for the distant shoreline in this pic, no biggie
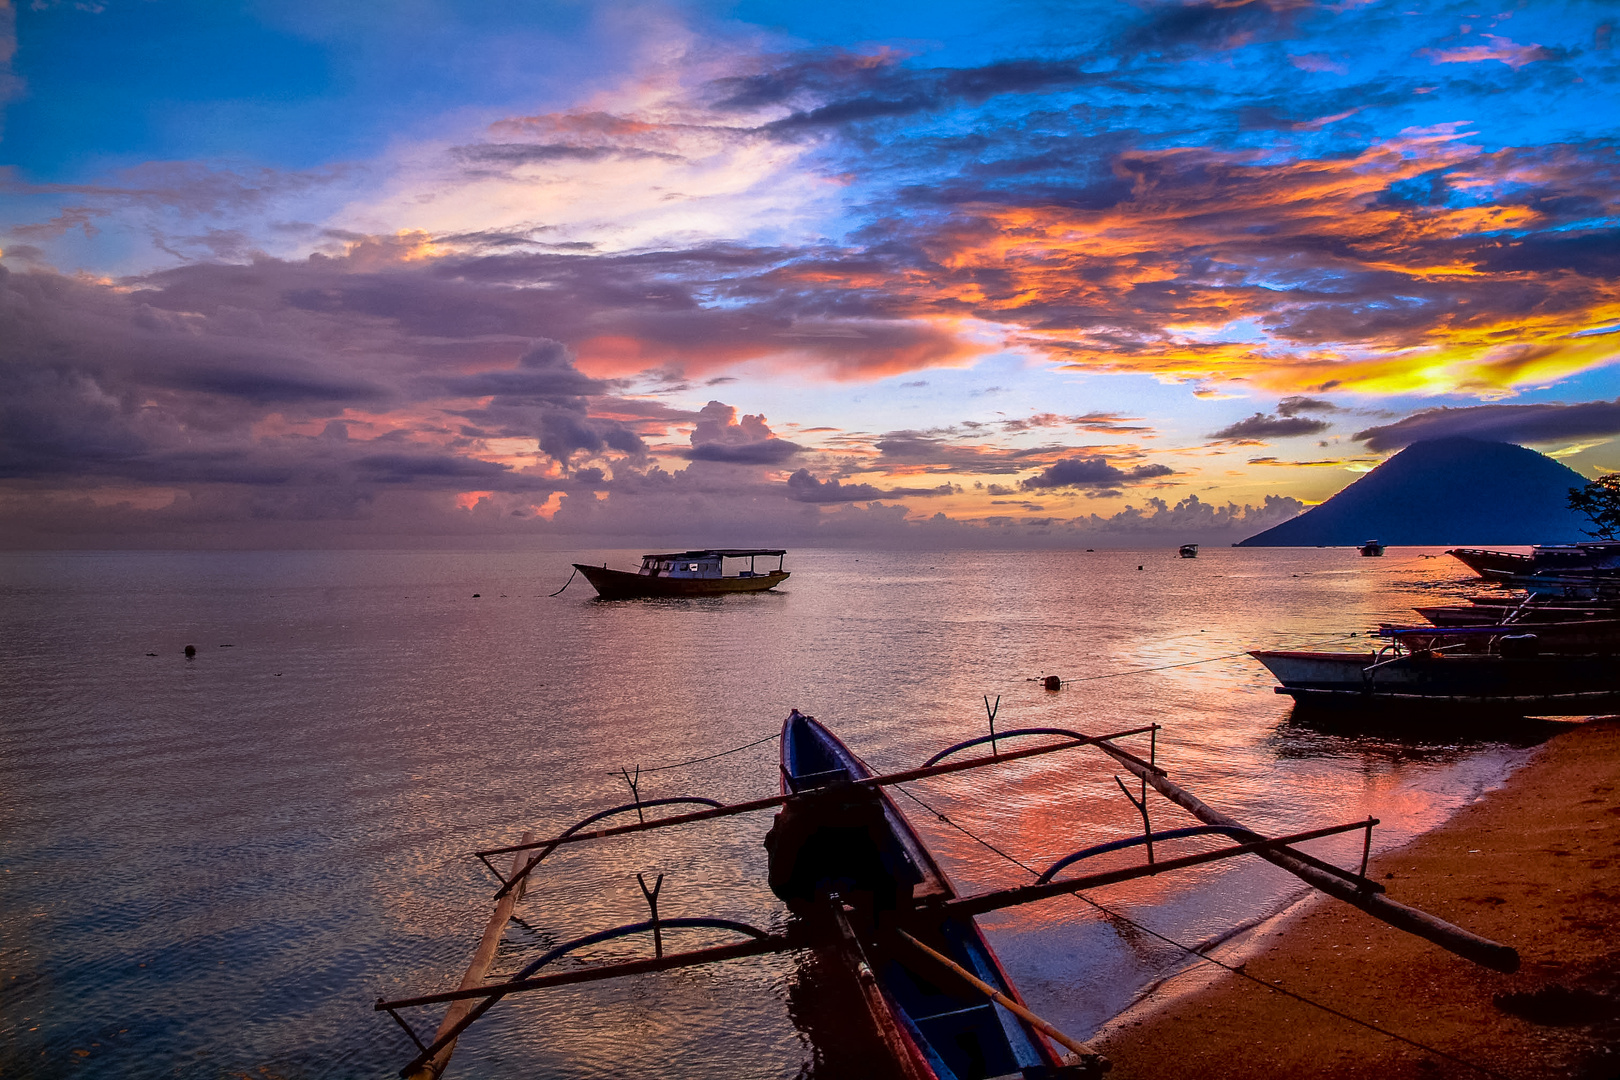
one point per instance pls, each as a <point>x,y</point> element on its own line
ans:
<point>1532,864</point>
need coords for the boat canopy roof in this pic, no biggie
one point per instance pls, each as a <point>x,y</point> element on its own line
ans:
<point>726,553</point>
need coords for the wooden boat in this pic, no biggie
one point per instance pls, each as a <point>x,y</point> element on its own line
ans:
<point>688,573</point>
<point>1555,559</point>
<point>1514,613</point>
<point>1567,637</point>
<point>854,843</point>
<point>865,890</point>
<point>1372,548</point>
<point>1480,560</point>
<point>1536,685</point>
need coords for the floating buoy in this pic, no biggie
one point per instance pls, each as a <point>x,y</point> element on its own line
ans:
<point>1139,568</point>
<point>1052,682</point>
<point>191,650</point>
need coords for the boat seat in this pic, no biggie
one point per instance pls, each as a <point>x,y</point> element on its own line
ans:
<point>983,1006</point>
<point>819,779</point>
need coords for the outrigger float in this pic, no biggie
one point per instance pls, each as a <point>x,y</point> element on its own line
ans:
<point>866,893</point>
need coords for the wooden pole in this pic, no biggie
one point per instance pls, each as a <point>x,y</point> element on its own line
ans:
<point>477,971</point>
<point>1480,950</point>
<point>1086,1053</point>
<point>888,1028</point>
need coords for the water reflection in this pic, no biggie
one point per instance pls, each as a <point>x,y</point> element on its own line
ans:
<point>215,866</point>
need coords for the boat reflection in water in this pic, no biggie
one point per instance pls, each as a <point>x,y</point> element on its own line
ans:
<point>688,573</point>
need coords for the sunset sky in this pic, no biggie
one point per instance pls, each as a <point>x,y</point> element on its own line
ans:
<point>586,273</point>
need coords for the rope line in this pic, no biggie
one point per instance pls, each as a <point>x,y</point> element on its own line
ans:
<point>1195,663</point>
<point>711,757</point>
<point>1195,954</point>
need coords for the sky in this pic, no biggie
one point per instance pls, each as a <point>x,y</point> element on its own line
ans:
<point>604,274</point>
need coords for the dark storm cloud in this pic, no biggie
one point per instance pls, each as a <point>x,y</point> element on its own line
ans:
<point>1592,254</point>
<point>1261,426</point>
<point>1502,423</point>
<point>803,486</point>
<point>545,372</point>
<point>1179,27</point>
<point>1293,406</point>
<point>269,388</point>
<point>764,452</point>
<point>1093,472</point>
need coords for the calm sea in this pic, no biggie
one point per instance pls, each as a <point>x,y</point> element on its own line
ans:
<point>213,866</point>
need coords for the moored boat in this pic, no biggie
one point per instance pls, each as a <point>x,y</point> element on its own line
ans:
<point>850,845</point>
<point>1538,685</point>
<point>1480,560</point>
<point>1372,548</point>
<point>688,573</point>
<point>1517,613</point>
<point>1189,551</point>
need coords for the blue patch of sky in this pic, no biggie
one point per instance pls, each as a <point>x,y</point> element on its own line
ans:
<point>288,84</point>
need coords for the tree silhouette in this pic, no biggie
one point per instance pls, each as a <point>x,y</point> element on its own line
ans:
<point>1599,500</point>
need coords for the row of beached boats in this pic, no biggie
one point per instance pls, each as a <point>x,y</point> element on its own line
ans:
<point>1546,649</point>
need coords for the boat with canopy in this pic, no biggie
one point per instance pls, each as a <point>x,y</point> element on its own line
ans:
<point>689,573</point>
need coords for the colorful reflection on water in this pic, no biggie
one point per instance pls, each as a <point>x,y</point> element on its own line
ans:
<point>214,866</point>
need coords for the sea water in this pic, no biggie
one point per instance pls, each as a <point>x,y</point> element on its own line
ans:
<point>214,865</point>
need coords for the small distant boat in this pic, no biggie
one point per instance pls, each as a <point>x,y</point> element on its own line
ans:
<point>1372,547</point>
<point>688,573</point>
<point>1189,551</point>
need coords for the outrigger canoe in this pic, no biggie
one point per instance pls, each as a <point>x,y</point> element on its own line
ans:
<point>867,893</point>
<point>847,847</point>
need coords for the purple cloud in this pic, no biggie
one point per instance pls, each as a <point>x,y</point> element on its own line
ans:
<point>1093,472</point>
<point>803,486</point>
<point>1545,423</point>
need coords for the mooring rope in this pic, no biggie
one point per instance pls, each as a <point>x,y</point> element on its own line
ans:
<point>567,583</point>
<point>1195,663</point>
<point>1195,954</point>
<point>710,757</point>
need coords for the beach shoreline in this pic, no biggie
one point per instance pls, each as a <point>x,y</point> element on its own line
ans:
<point>1533,862</point>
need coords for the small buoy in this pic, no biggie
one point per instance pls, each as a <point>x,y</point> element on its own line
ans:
<point>1052,682</point>
<point>191,650</point>
<point>1139,568</point>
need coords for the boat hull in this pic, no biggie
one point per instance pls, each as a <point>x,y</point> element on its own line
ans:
<point>1528,615</point>
<point>1536,685</point>
<point>932,1029</point>
<point>1480,560</point>
<point>622,585</point>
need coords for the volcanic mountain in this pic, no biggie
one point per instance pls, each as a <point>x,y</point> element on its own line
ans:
<point>1445,491</point>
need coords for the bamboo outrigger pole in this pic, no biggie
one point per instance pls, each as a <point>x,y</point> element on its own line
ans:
<point>1480,950</point>
<point>477,971</point>
<point>1018,1009</point>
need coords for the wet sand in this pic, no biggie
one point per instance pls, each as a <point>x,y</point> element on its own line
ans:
<point>1534,864</point>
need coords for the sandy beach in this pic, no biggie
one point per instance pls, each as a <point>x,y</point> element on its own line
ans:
<point>1532,864</point>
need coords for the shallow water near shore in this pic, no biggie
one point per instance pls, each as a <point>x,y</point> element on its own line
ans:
<point>213,866</point>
